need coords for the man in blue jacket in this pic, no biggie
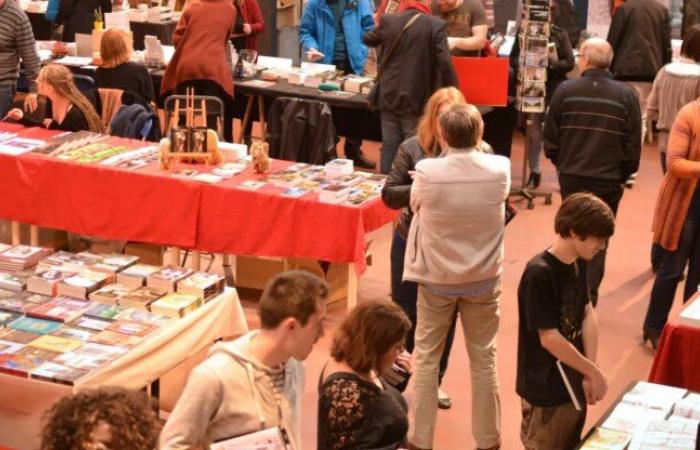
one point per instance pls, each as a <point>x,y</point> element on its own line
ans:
<point>331,33</point>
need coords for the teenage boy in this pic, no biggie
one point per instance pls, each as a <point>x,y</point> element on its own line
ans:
<point>256,381</point>
<point>558,328</point>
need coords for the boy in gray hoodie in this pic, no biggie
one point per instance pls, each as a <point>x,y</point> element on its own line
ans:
<point>256,381</point>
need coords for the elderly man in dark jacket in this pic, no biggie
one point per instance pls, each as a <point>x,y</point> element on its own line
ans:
<point>592,134</point>
<point>418,66</point>
<point>640,35</point>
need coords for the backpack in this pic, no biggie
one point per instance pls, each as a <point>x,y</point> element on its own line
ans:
<point>136,122</point>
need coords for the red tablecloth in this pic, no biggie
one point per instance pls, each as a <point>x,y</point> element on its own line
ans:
<point>677,360</point>
<point>148,205</point>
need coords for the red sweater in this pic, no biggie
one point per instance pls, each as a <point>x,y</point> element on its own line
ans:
<point>250,11</point>
<point>200,50</point>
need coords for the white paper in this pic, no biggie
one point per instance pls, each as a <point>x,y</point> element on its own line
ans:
<point>74,61</point>
<point>119,19</point>
<point>18,146</point>
<point>317,68</point>
<point>631,418</point>
<point>690,315</point>
<point>83,45</point>
<point>272,62</point>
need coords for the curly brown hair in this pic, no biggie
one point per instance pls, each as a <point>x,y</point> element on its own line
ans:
<point>132,423</point>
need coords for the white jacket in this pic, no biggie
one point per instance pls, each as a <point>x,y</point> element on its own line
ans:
<point>456,235</point>
<point>229,394</point>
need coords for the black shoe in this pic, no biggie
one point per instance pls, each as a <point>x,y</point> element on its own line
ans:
<point>534,180</point>
<point>651,336</point>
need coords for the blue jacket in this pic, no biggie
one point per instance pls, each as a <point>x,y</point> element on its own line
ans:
<point>317,30</point>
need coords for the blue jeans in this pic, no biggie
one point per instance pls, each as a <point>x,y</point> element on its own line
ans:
<point>7,93</point>
<point>405,294</point>
<point>396,128</point>
<point>671,269</point>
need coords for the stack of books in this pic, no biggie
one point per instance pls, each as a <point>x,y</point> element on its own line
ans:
<point>84,283</point>
<point>141,298</point>
<point>167,277</point>
<point>22,257</point>
<point>176,305</point>
<point>136,275</point>
<point>202,284</point>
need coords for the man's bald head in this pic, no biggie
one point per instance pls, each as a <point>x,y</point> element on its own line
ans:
<point>595,53</point>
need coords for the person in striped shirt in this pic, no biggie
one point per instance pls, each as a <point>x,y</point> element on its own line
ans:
<point>16,43</point>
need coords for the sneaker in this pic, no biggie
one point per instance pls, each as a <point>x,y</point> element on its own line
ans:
<point>444,401</point>
<point>629,183</point>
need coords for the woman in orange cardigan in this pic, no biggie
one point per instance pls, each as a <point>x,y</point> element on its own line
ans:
<point>200,55</point>
<point>677,220</point>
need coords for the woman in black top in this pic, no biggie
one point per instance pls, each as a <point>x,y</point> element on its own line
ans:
<point>357,409</point>
<point>117,72</point>
<point>78,16</point>
<point>69,109</point>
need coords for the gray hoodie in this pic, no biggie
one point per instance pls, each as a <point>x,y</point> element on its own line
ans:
<point>230,394</point>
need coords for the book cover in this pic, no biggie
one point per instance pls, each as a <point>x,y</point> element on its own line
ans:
<point>136,275</point>
<point>603,439</point>
<point>46,282</point>
<point>203,284</point>
<point>108,337</point>
<point>132,328</point>
<point>294,192</point>
<point>100,350</point>
<point>92,323</point>
<point>8,316</point>
<point>110,294</point>
<point>62,260</point>
<point>14,281</point>
<point>167,277</point>
<point>57,373</point>
<point>33,325</point>
<point>19,365</point>
<point>134,315</point>
<point>107,312</point>
<point>61,309</point>
<point>82,361</point>
<point>55,343</point>
<point>116,262</point>
<point>17,336</point>
<point>176,305</point>
<point>141,298</point>
<point>76,334</point>
<point>10,347</point>
<point>21,253</point>
<point>85,282</point>
<point>252,185</point>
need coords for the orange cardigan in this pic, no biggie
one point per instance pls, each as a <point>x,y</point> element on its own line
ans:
<point>677,188</point>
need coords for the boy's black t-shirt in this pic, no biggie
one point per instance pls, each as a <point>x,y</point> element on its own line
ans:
<point>551,295</point>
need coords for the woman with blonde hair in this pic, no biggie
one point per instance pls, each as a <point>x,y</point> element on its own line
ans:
<point>357,408</point>
<point>69,109</point>
<point>118,72</point>
<point>397,193</point>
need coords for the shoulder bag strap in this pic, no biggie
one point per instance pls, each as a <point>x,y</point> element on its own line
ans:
<point>394,43</point>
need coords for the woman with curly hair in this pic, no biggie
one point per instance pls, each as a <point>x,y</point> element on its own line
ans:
<point>101,419</point>
<point>357,408</point>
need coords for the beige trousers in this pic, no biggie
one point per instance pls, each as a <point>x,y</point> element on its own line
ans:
<point>480,317</point>
<point>642,90</point>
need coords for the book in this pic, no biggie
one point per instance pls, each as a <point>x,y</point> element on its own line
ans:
<point>115,262</point>
<point>141,298</point>
<point>63,260</point>
<point>10,347</point>
<point>76,334</point>
<point>338,167</point>
<point>203,284</point>
<point>25,360</point>
<point>17,336</point>
<point>109,337</point>
<point>333,193</point>
<point>294,192</point>
<point>603,439</point>
<point>176,305</point>
<point>109,294</point>
<point>688,407</point>
<point>55,343</point>
<point>14,281</point>
<point>100,350</point>
<point>57,373</point>
<point>251,185</point>
<point>136,275</point>
<point>33,325</point>
<point>132,328</point>
<point>18,145</point>
<point>654,396</point>
<point>680,434</point>
<point>20,302</point>
<point>631,418</point>
<point>8,316</point>
<point>285,178</point>
<point>134,315</point>
<point>106,312</point>
<point>46,282</point>
<point>91,323</point>
<point>60,309</point>
<point>167,277</point>
<point>21,257</point>
<point>82,284</point>
<point>569,388</point>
